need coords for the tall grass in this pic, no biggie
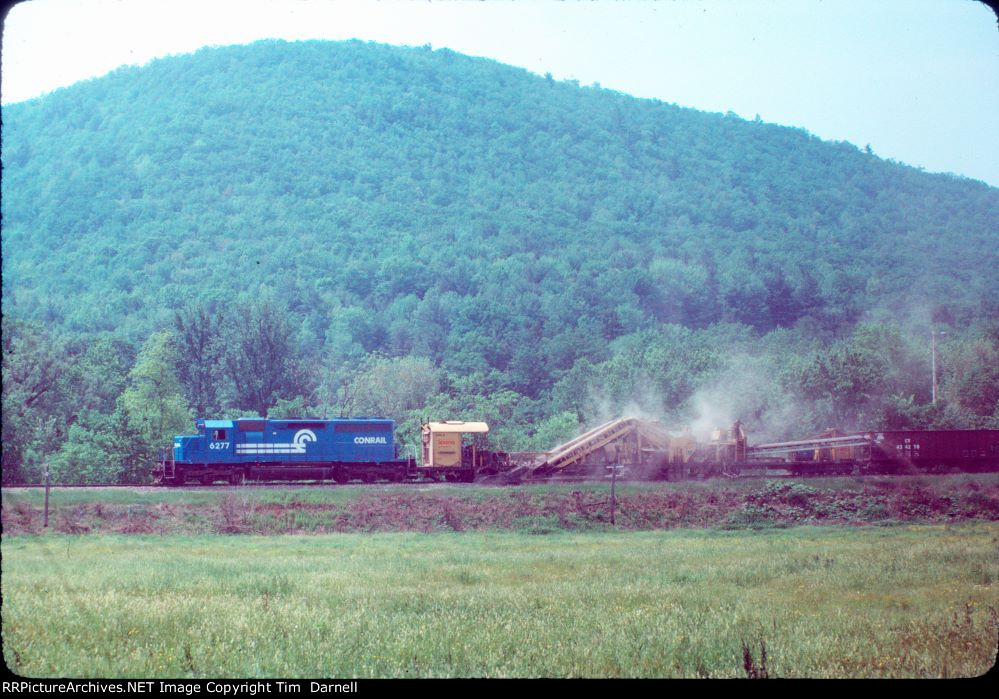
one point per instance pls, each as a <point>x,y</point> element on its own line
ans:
<point>903,601</point>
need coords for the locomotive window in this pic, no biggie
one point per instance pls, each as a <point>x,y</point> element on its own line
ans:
<point>218,434</point>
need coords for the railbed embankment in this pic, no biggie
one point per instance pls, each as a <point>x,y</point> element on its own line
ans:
<point>721,504</point>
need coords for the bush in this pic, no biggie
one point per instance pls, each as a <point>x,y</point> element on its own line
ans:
<point>796,494</point>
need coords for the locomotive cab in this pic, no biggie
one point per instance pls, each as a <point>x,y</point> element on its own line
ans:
<point>217,435</point>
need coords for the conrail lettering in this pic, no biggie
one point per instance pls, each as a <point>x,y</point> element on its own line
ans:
<point>369,440</point>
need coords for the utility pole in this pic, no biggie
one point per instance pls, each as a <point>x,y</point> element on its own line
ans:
<point>613,469</point>
<point>46,522</point>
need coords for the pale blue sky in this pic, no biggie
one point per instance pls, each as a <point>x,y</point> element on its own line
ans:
<point>918,80</point>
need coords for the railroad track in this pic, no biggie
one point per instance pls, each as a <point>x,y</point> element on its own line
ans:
<point>245,486</point>
<point>486,482</point>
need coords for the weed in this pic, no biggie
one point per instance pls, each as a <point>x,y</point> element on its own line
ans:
<point>754,671</point>
<point>232,514</point>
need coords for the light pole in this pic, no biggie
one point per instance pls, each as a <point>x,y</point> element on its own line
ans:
<point>933,344</point>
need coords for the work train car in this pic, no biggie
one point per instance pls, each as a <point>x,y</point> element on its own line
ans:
<point>262,449</point>
<point>447,457</point>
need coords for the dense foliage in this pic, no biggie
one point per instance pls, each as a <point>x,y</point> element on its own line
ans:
<point>325,228</point>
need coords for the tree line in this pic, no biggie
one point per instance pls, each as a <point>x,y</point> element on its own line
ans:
<point>98,409</point>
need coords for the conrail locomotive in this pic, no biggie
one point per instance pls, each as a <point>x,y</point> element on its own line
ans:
<point>341,450</point>
<point>364,449</point>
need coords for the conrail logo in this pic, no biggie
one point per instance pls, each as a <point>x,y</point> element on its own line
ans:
<point>297,446</point>
<point>369,440</point>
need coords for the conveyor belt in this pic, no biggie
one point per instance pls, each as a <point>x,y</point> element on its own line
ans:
<point>577,450</point>
<point>762,451</point>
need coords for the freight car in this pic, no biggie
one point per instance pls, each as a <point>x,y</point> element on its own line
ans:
<point>906,451</point>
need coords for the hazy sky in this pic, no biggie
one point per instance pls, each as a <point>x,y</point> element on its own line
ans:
<point>918,80</point>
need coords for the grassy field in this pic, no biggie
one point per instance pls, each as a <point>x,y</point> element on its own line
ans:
<point>830,601</point>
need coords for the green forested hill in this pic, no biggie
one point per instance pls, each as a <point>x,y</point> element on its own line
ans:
<point>504,229</point>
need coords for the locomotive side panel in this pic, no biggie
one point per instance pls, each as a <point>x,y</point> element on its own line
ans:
<point>315,442</point>
<point>258,448</point>
<point>363,441</point>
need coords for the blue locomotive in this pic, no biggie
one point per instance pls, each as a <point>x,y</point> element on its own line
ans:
<point>263,449</point>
